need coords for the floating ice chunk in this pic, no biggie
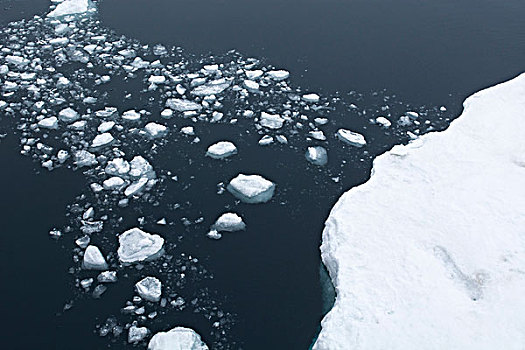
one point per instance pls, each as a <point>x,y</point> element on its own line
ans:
<point>136,245</point>
<point>106,112</point>
<point>214,87</point>
<point>49,123</point>
<point>166,113</point>
<point>63,82</point>
<point>266,140</point>
<point>214,234</point>
<point>317,155</point>
<point>229,222</point>
<point>16,60</point>
<point>188,130</point>
<point>117,167</point>
<point>271,121</point>
<point>131,115</point>
<point>177,338</point>
<point>251,85</point>
<point>149,288</point>
<point>68,115</point>
<point>221,150</point>
<point>105,126</point>
<point>181,105</point>
<point>140,167</point>
<point>254,74</point>
<point>317,135</point>
<point>113,183</point>
<point>281,139</point>
<point>211,68</point>
<point>412,114</point>
<point>311,98</point>
<point>251,188</point>
<point>84,158</point>
<point>93,259</point>
<point>62,155</point>
<point>137,334</point>
<point>157,79</point>
<point>383,122</point>
<point>69,7</point>
<point>136,187</point>
<point>102,140</point>
<point>279,75</point>
<point>107,277</point>
<point>83,242</point>
<point>155,130</point>
<point>351,138</point>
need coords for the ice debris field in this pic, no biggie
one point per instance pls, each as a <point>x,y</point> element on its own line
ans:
<point>60,79</point>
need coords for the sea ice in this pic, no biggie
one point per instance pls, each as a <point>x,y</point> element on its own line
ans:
<point>68,115</point>
<point>271,121</point>
<point>155,130</point>
<point>351,138</point>
<point>49,123</point>
<point>70,7</point>
<point>93,259</point>
<point>137,334</point>
<point>278,75</point>
<point>181,105</point>
<point>178,338</point>
<point>221,150</point>
<point>102,140</point>
<point>311,98</point>
<point>149,288</point>
<point>317,155</point>
<point>229,222</point>
<point>136,245</point>
<point>251,188</point>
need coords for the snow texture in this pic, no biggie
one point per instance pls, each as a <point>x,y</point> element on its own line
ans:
<point>430,252</point>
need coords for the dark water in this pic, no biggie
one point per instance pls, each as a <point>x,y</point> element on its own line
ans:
<point>269,275</point>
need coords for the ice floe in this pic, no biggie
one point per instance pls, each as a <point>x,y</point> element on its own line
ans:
<point>177,338</point>
<point>221,150</point>
<point>136,245</point>
<point>251,188</point>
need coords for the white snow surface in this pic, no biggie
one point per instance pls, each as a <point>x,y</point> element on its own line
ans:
<point>179,338</point>
<point>430,252</point>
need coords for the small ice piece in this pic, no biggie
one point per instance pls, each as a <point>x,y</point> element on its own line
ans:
<point>166,113</point>
<point>311,98</point>
<point>49,123</point>
<point>68,115</point>
<point>251,188</point>
<point>221,150</point>
<point>254,74</point>
<point>271,121</point>
<point>155,130</point>
<point>266,140</point>
<point>137,334</point>
<point>251,85</point>
<point>229,222</point>
<point>281,139</point>
<point>84,158</point>
<point>16,61</point>
<point>102,140</point>
<point>317,135</point>
<point>69,7</point>
<point>136,245</point>
<point>317,155</point>
<point>383,122</point>
<point>181,105</point>
<point>62,156</point>
<point>279,75</point>
<point>63,82</point>
<point>136,187</point>
<point>149,288</point>
<point>162,222</point>
<point>177,338</point>
<point>351,138</point>
<point>105,126</point>
<point>83,241</point>
<point>214,87</point>
<point>93,259</point>
<point>117,167</point>
<point>113,183</point>
<point>140,167</point>
<point>211,68</point>
<point>443,109</point>
<point>188,130</point>
<point>214,234</point>
<point>131,115</point>
<point>412,114</point>
<point>157,79</point>
<point>99,290</point>
<point>107,277</point>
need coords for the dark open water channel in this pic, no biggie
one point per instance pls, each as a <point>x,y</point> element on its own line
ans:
<point>427,53</point>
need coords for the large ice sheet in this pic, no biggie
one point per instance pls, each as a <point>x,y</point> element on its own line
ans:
<point>430,252</point>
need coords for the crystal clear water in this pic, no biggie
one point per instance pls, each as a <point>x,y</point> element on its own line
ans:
<point>266,280</point>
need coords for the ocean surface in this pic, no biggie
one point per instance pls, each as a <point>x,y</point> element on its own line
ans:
<point>419,55</point>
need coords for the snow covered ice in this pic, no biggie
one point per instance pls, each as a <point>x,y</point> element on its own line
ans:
<point>221,150</point>
<point>70,7</point>
<point>149,288</point>
<point>271,121</point>
<point>251,188</point>
<point>351,138</point>
<point>136,245</point>
<point>429,253</point>
<point>229,222</point>
<point>179,338</point>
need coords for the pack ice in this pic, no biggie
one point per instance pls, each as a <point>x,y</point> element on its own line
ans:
<point>251,188</point>
<point>179,338</point>
<point>137,245</point>
<point>430,252</point>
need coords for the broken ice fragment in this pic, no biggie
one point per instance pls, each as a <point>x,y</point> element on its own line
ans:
<point>137,334</point>
<point>266,140</point>
<point>107,277</point>
<point>149,288</point>
<point>155,130</point>
<point>229,222</point>
<point>68,115</point>
<point>181,105</point>
<point>113,183</point>
<point>49,123</point>
<point>177,338</point>
<point>84,158</point>
<point>136,245</point>
<point>383,122</point>
<point>136,187</point>
<point>311,98</point>
<point>351,138</point>
<point>70,7</point>
<point>317,155</point>
<point>93,259</point>
<point>271,121</point>
<point>117,167</point>
<point>131,115</point>
<point>279,75</point>
<point>102,140</point>
<point>221,150</point>
<point>251,188</point>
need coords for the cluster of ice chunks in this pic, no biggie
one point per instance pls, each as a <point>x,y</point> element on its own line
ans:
<point>64,121</point>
